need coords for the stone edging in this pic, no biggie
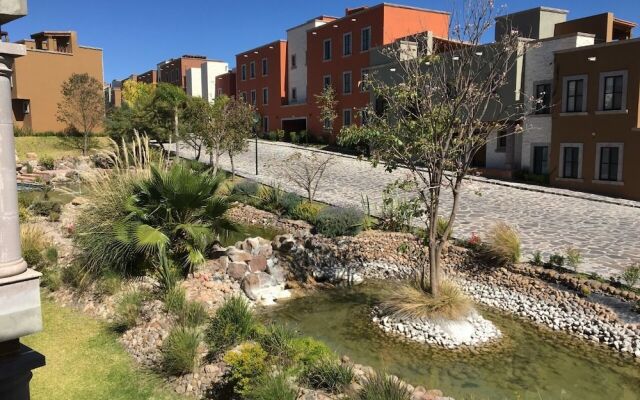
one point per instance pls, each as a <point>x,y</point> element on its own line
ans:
<point>513,185</point>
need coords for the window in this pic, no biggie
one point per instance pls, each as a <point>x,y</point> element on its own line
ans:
<point>253,98</point>
<point>381,106</point>
<point>252,70</point>
<point>612,99</point>
<point>364,117</point>
<point>540,160</point>
<point>265,124</point>
<point>571,162</point>
<point>346,82</point>
<point>326,124</point>
<point>265,96</point>
<point>265,67</point>
<point>501,143</point>
<point>243,72</point>
<point>365,39</point>
<point>243,96</point>
<point>543,98</point>
<point>346,117</point>
<point>326,54</point>
<point>346,44</point>
<point>575,95</point>
<point>219,93</point>
<point>294,94</point>
<point>326,81</point>
<point>364,76</point>
<point>294,63</point>
<point>609,163</point>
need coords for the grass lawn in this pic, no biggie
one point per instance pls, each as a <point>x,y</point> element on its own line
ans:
<point>84,361</point>
<point>54,146</point>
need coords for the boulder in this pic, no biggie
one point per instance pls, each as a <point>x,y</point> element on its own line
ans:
<point>237,270</point>
<point>239,256</point>
<point>258,263</point>
<point>78,201</point>
<point>276,272</point>
<point>252,245</point>
<point>284,243</point>
<point>263,288</point>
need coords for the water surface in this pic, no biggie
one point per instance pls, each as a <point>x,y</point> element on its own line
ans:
<point>530,363</point>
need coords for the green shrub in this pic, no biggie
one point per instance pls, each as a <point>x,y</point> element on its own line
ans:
<point>273,136</point>
<point>307,211</point>
<point>442,225</point>
<point>37,250</point>
<point>47,163</point>
<point>303,136</point>
<point>174,300</point>
<point>24,214</point>
<point>397,212</point>
<point>270,198</point>
<point>293,137</point>
<point>383,387</point>
<point>29,168</point>
<point>246,188</point>
<point>128,309</point>
<point>585,291</point>
<point>289,202</point>
<point>277,340</point>
<point>308,351</point>
<point>45,207</point>
<point>537,258</point>
<point>232,323</point>
<point>573,258</point>
<point>280,134</point>
<point>328,375</point>
<point>556,260</point>
<point>51,278</point>
<point>631,275</point>
<point>193,314</point>
<point>503,243</point>
<point>336,221</point>
<point>247,364</point>
<point>273,388</point>
<point>76,276</point>
<point>54,217</point>
<point>109,283</point>
<point>180,353</point>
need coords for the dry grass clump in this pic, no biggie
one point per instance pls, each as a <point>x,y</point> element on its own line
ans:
<point>503,243</point>
<point>409,301</point>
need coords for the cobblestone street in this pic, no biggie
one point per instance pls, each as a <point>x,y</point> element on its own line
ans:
<point>606,234</point>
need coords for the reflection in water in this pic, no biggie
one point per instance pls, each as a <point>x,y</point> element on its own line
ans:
<point>529,363</point>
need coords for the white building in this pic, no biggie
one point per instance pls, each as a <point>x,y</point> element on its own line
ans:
<point>201,82</point>
<point>538,79</point>
<point>297,58</point>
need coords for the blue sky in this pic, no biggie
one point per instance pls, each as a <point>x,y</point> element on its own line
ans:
<point>137,34</point>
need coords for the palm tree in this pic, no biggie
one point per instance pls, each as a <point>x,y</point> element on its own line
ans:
<point>176,214</point>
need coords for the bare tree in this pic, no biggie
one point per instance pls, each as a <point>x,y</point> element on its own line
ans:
<point>82,106</point>
<point>241,123</point>
<point>439,108</point>
<point>327,104</point>
<point>306,172</point>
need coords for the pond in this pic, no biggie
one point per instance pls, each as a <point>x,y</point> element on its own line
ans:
<point>247,231</point>
<point>530,363</point>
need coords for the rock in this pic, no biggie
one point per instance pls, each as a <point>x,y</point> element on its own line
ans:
<point>258,264</point>
<point>256,282</point>
<point>32,156</point>
<point>237,270</point>
<point>239,256</point>
<point>78,201</point>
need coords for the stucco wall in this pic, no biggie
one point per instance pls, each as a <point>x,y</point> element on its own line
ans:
<point>194,82</point>
<point>210,71</point>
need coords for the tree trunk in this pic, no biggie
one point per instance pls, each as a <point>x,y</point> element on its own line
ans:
<point>233,167</point>
<point>175,131</point>
<point>86,143</point>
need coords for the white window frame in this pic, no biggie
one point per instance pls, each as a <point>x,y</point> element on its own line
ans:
<point>263,63</point>
<point>623,101</point>
<point>324,47</point>
<point>596,176</point>
<point>362,50</point>
<point>344,36</point>
<point>580,147</point>
<point>344,112</point>
<point>345,73</point>
<point>585,86</point>
<point>265,90</point>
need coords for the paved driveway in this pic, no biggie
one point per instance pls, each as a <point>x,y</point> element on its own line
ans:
<point>608,235</point>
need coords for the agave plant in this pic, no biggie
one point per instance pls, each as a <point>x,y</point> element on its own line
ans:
<point>176,213</point>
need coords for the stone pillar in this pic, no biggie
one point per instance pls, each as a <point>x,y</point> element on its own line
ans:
<point>20,313</point>
<point>11,262</point>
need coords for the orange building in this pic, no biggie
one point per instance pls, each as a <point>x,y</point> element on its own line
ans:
<point>52,57</point>
<point>261,81</point>
<point>174,71</point>
<point>226,84</point>
<point>150,77</point>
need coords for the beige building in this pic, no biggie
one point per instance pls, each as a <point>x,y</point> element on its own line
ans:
<point>52,57</point>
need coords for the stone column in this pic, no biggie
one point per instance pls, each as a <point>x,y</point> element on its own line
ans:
<point>11,262</point>
<point>20,313</point>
